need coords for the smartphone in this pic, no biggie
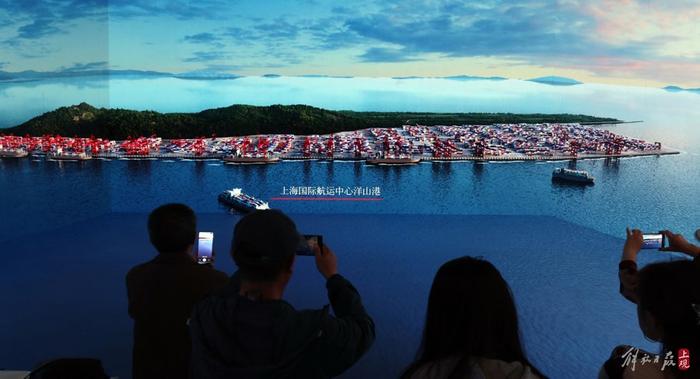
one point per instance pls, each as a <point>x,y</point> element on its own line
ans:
<point>653,240</point>
<point>205,244</point>
<point>308,243</point>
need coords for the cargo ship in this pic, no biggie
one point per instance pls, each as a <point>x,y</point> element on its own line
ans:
<point>393,161</point>
<point>235,198</point>
<point>386,159</point>
<point>572,176</point>
<point>61,156</point>
<point>250,159</point>
<point>13,153</point>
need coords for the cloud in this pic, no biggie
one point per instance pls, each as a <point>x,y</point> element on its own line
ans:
<point>207,56</point>
<point>458,30</point>
<point>285,41</point>
<point>202,38</point>
<point>380,54</point>
<point>537,31</point>
<point>34,21</point>
<point>600,36</point>
<point>78,67</point>
<point>57,11</point>
<point>222,67</point>
<point>181,9</point>
<point>240,34</point>
<point>341,10</point>
<point>37,29</point>
<point>278,29</point>
<point>678,71</point>
<point>205,39</point>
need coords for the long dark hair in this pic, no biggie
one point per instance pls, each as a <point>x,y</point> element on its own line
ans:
<point>471,314</point>
<point>670,291</point>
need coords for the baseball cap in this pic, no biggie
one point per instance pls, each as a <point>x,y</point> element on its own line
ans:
<point>264,238</point>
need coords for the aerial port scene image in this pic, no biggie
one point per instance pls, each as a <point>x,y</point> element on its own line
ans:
<point>490,189</point>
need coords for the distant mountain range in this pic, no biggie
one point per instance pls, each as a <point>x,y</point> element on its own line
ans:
<point>30,75</point>
<point>680,89</point>
<point>454,77</point>
<point>85,120</point>
<point>555,81</point>
<point>39,75</point>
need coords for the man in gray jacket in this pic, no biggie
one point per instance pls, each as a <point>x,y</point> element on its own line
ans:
<point>248,331</point>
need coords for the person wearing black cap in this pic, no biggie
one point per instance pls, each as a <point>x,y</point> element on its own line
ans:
<point>248,331</point>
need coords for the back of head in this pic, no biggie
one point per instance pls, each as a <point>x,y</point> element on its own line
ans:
<point>264,245</point>
<point>172,228</point>
<point>670,292</point>
<point>471,313</point>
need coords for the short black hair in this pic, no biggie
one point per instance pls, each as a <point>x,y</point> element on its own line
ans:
<point>264,245</point>
<point>172,228</point>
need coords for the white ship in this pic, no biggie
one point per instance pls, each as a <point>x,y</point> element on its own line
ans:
<point>238,200</point>
<point>573,176</point>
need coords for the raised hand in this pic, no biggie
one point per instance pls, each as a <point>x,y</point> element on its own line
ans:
<point>326,261</point>
<point>678,243</point>
<point>633,244</point>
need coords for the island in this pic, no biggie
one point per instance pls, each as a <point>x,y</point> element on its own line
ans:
<point>84,120</point>
<point>245,134</point>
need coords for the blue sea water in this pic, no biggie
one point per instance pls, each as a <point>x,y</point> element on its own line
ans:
<point>63,223</point>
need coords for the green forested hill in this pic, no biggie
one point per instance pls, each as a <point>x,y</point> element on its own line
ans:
<point>85,120</point>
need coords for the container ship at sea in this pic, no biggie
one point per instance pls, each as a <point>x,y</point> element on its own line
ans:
<point>236,199</point>
<point>61,155</point>
<point>572,176</point>
<point>13,153</point>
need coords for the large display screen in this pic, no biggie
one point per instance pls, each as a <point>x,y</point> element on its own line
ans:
<point>405,132</point>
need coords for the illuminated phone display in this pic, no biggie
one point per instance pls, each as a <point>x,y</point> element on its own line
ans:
<point>653,241</point>
<point>205,243</point>
<point>308,243</point>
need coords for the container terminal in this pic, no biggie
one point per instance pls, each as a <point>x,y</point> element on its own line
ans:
<point>407,145</point>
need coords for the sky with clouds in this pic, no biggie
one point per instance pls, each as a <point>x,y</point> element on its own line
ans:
<point>648,43</point>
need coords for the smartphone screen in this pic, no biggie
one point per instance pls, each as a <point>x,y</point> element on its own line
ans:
<point>308,244</point>
<point>653,241</point>
<point>205,243</point>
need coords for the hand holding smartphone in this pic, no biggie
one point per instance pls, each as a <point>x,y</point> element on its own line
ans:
<point>205,245</point>
<point>308,244</point>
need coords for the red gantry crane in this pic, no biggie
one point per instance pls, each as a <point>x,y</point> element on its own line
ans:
<point>330,145</point>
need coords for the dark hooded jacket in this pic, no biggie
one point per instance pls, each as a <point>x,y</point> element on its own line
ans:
<point>235,337</point>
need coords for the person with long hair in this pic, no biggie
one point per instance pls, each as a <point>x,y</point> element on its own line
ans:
<point>471,326</point>
<point>667,295</point>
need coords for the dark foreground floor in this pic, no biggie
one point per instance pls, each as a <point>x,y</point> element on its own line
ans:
<point>63,292</point>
